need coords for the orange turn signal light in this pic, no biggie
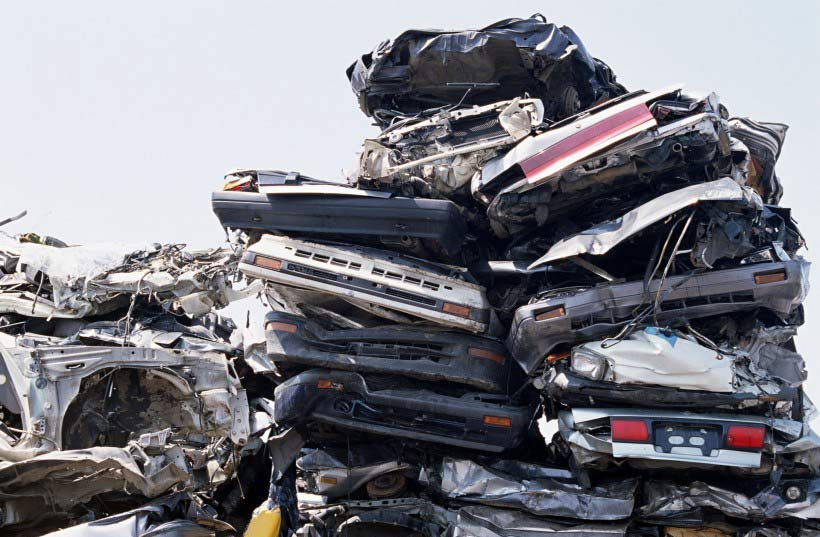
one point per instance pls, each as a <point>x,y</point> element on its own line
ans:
<point>455,309</point>
<point>328,480</point>
<point>553,313</point>
<point>498,421</point>
<point>488,354</point>
<point>770,277</point>
<point>267,262</point>
<point>557,356</point>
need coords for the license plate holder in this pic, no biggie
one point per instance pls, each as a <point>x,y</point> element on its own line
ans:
<point>670,435</point>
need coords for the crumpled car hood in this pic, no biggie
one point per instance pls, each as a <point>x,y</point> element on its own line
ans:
<point>665,359</point>
<point>509,57</point>
<point>600,239</point>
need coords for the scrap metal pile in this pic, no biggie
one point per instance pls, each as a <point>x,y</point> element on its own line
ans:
<point>118,385</point>
<point>525,242</point>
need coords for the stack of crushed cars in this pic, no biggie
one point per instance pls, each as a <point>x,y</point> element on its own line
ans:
<point>123,412</point>
<point>539,304</point>
<point>526,241</point>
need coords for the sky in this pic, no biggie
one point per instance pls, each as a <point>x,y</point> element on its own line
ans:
<point>117,120</point>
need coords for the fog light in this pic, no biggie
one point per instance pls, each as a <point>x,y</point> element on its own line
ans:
<point>588,364</point>
<point>793,493</point>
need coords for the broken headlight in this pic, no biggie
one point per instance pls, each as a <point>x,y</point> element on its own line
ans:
<point>589,364</point>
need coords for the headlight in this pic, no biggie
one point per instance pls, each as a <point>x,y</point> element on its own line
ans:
<point>589,364</point>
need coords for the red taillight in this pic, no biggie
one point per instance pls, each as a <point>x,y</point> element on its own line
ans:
<point>745,436</point>
<point>629,430</point>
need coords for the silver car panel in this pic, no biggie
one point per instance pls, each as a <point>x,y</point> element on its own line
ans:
<point>482,521</point>
<point>369,276</point>
<point>588,429</point>
<point>47,380</point>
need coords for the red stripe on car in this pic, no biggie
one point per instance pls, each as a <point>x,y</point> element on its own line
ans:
<point>575,143</point>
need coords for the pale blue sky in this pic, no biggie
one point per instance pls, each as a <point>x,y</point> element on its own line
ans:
<point>119,119</point>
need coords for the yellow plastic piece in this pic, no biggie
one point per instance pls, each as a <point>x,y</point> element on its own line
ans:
<point>265,523</point>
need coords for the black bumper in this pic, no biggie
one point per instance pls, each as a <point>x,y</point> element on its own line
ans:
<point>391,222</point>
<point>583,315</point>
<point>344,400</point>
<point>427,354</point>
